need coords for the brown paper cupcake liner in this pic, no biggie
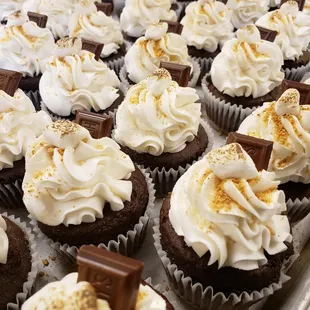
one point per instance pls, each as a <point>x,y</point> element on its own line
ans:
<point>11,195</point>
<point>205,298</point>
<point>32,275</point>
<point>296,74</point>
<point>125,244</point>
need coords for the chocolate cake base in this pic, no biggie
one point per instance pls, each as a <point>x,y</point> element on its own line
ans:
<point>195,52</point>
<point>29,83</point>
<point>226,279</point>
<point>111,225</point>
<point>14,273</point>
<point>11,174</point>
<point>302,61</point>
<point>121,52</point>
<point>295,191</point>
<point>171,160</point>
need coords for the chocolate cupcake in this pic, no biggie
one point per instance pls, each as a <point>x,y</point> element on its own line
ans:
<point>286,123</point>
<point>243,76</point>
<point>293,38</point>
<point>75,80</point>
<point>223,222</point>
<point>206,35</point>
<point>158,45</point>
<point>158,125</point>
<point>82,190</point>
<point>23,47</point>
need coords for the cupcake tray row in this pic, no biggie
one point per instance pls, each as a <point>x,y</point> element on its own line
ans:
<point>294,295</point>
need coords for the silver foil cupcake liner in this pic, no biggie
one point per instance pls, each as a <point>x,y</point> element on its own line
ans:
<point>192,83</point>
<point>32,275</point>
<point>204,298</point>
<point>224,116</point>
<point>11,195</point>
<point>296,74</point>
<point>125,244</point>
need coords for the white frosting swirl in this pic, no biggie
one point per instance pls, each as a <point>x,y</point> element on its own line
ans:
<point>207,25</point>
<point>293,27</point>
<point>70,176</point>
<point>158,116</point>
<point>246,12</point>
<point>74,80</point>
<point>157,45</point>
<point>69,290</point>
<point>20,125</point>
<point>223,206</point>
<point>4,242</point>
<point>23,47</point>
<point>90,24</point>
<point>138,15</point>
<point>8,7</point>
<point>307,7</point>
<point>288,125</point>
<point>247,66</point>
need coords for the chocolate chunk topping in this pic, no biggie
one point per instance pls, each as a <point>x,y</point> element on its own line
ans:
<point>115,278</point>
<point>301,3</point>
<point>98,125</point>
<point>93,47</point>
<point>174,27</point>
<point>304,90</point>
<point>259,149</point>
<point>39,19</point>
<point>105,7</point>
<point>267,34</point>
<point>9,81</point>
<point>179,73</point>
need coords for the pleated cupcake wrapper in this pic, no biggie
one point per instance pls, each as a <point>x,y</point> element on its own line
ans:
<point>205,65</point>
<point>35,98</point>
<point>32,275</point>
<point>305,77</point>
<point>192,83</point>
<point>165,179</point>
<point>204,298</point>
<point>54,117</point>
<point>11,195</point>
<point>296,74</point>
<point>125,244</point>
<point>224,116</point>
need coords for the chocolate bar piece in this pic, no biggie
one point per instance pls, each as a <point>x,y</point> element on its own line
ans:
<point>105,7</point>
<point>304,90</point>
<point>93,47</point>
<point>301,3</point>
<point>39,19</point>
<point>115,278</point>
<point>174,27</point>
<point>98,125</point>
<point>267,34</point>
<point>259,149</point>
<point>9,81</point>
<point>179,73</point>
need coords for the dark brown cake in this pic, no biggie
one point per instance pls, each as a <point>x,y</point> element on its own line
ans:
<point>302,61</point>
<point>111,225</point>
<point>295,191</point>
<point>14,273</point>
<point>223,279</point>
<point>193,51</point>
<point>29,83</point>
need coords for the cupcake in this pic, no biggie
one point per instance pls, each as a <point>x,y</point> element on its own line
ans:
<point>293,27</point>
<point>223,222</point>
<point>75,80</point>
<point>207,26</point>
<point>20,125</point>
<point>7,7</point>
<point>243,76</point>
<point>138,15</point>
<point>23,48</point>
<point>93,25</point>
<point>17,262</point>
<point>157,46</point>
<point>82,190</point>
<point>247,12</point>
<point>286,123</point>
<point>158,125</point>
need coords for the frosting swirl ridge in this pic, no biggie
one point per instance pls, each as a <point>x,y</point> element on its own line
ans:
<point>4,242</point>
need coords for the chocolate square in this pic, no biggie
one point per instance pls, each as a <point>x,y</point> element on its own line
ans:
<point>93,47</point>
<point>267,34</point>
<point>260,150</point>
<point>301,3</point>
<point>304,90</point>
<point>105,7</point>
<point>39,19</point>
<point>115,278</point>
<point>174,27</point>
<point>9,81</point>
<point>179,73</point>
<point>98,125</point>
